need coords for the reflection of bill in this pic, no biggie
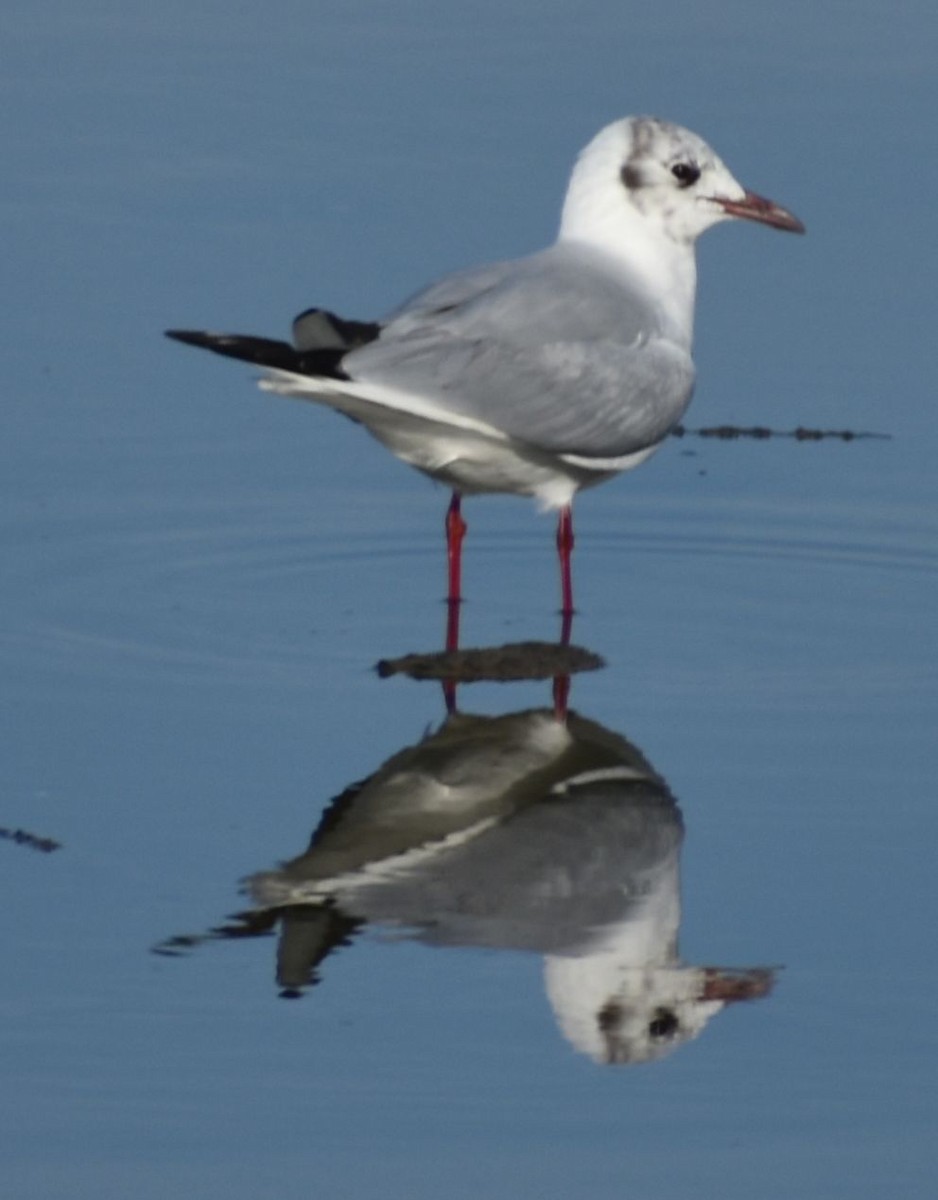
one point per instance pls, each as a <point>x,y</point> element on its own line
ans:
<point>520,832</point>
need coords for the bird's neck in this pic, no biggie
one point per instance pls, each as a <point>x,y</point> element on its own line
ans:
<point>667,268</point>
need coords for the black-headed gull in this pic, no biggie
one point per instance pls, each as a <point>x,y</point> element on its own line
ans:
<point>545,374</point>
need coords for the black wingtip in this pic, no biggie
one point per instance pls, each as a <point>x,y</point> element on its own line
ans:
<point>191,337</point>
<point>264,352</point>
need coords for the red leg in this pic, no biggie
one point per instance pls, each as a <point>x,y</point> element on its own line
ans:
<point>455,532</point>
<point>564,547</point>
<point>452,625</point>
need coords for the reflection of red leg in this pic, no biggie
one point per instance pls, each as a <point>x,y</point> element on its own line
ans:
<point>561,696</point>
<point>564,547</point>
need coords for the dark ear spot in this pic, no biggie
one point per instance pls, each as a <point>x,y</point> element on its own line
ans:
<point>609,1016</point>
<point>631,176</point>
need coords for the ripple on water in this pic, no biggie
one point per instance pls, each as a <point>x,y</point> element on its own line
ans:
<point>195,593</point>
<point>205,592</point>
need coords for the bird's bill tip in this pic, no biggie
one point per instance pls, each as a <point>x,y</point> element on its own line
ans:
<point>729,984</point>
<point>757,208</point>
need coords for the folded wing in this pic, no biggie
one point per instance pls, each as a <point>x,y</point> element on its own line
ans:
<point>552,350</point>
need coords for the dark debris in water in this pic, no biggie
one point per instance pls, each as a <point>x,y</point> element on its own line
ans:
<point>501,664</point>
<point>22,838</point>
<point>761,433</point>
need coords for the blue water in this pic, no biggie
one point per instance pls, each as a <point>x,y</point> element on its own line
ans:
<point>199,579</point>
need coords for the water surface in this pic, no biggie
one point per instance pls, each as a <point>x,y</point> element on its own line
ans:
<point>199,581</point>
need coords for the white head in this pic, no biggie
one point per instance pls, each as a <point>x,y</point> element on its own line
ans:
<point>647,173</point>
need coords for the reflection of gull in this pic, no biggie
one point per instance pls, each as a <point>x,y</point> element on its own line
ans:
<point>525,833</point>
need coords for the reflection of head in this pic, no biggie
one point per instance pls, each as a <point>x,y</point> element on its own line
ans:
<point>617,1014</point>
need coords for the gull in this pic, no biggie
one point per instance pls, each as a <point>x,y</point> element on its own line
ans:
<point>540,375</point>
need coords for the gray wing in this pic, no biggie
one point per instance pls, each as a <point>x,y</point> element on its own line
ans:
<point>553,350</point>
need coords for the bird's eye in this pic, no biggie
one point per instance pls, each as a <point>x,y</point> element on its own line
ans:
<point>664,1024</point>
<point>685,173</point>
